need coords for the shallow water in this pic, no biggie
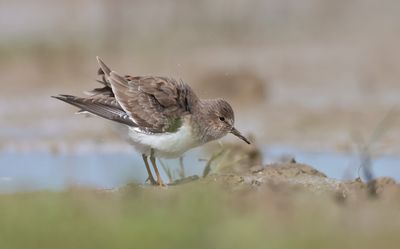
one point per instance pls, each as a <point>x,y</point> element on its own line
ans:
<point>341,166</point>
<point>31,171</point>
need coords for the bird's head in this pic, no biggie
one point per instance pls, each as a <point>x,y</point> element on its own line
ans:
<point>222,119</point>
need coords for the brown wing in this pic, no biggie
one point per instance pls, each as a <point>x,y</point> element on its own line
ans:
<point>155,104</point>
<point>152,104</point>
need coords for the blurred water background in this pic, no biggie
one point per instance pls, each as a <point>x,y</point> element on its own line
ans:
<point>317,76</point>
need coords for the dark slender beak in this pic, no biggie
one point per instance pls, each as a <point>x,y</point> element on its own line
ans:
<point>239,135</point>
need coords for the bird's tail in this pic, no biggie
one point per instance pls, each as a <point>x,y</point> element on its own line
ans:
<point>103,107</point>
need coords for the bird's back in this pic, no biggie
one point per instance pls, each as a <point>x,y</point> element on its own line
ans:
<point>150,104</point>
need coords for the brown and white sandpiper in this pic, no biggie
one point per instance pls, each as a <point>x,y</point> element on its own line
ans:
<point>164,116</point>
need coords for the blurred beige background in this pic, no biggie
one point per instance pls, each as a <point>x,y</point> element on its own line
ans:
<point>315,74</point>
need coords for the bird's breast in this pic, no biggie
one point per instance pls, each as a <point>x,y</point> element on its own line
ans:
<point>169,144</point>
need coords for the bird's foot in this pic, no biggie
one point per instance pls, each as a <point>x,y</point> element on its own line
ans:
<point>160,182</point>
<point>151,181</point>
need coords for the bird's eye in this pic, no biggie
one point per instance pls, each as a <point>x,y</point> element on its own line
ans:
<point>222,119</point>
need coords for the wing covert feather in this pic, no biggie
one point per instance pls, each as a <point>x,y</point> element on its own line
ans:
<point>155,104</point>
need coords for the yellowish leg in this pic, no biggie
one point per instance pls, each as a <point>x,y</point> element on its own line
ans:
<point>150,177</point>
<point>153,161</point>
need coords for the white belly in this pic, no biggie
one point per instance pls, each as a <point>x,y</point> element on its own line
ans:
<point>167,145</point>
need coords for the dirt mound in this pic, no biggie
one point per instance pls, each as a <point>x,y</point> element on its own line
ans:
<point>303,177</point>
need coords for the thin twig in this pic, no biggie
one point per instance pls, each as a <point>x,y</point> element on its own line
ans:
<point>167,171</point>
<point>364,151</point>
<point>181,171</point>
<point>207,168</point>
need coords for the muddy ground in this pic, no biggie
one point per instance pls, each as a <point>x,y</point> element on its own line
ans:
<point>285,205</point>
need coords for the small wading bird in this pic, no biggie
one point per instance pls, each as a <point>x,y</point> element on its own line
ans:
<point>164,116</point>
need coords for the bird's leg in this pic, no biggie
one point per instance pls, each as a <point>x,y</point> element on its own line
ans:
<point>150,175</point>
<point>153,161</point>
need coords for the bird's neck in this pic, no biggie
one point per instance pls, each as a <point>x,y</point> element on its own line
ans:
<point>200,122</point>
